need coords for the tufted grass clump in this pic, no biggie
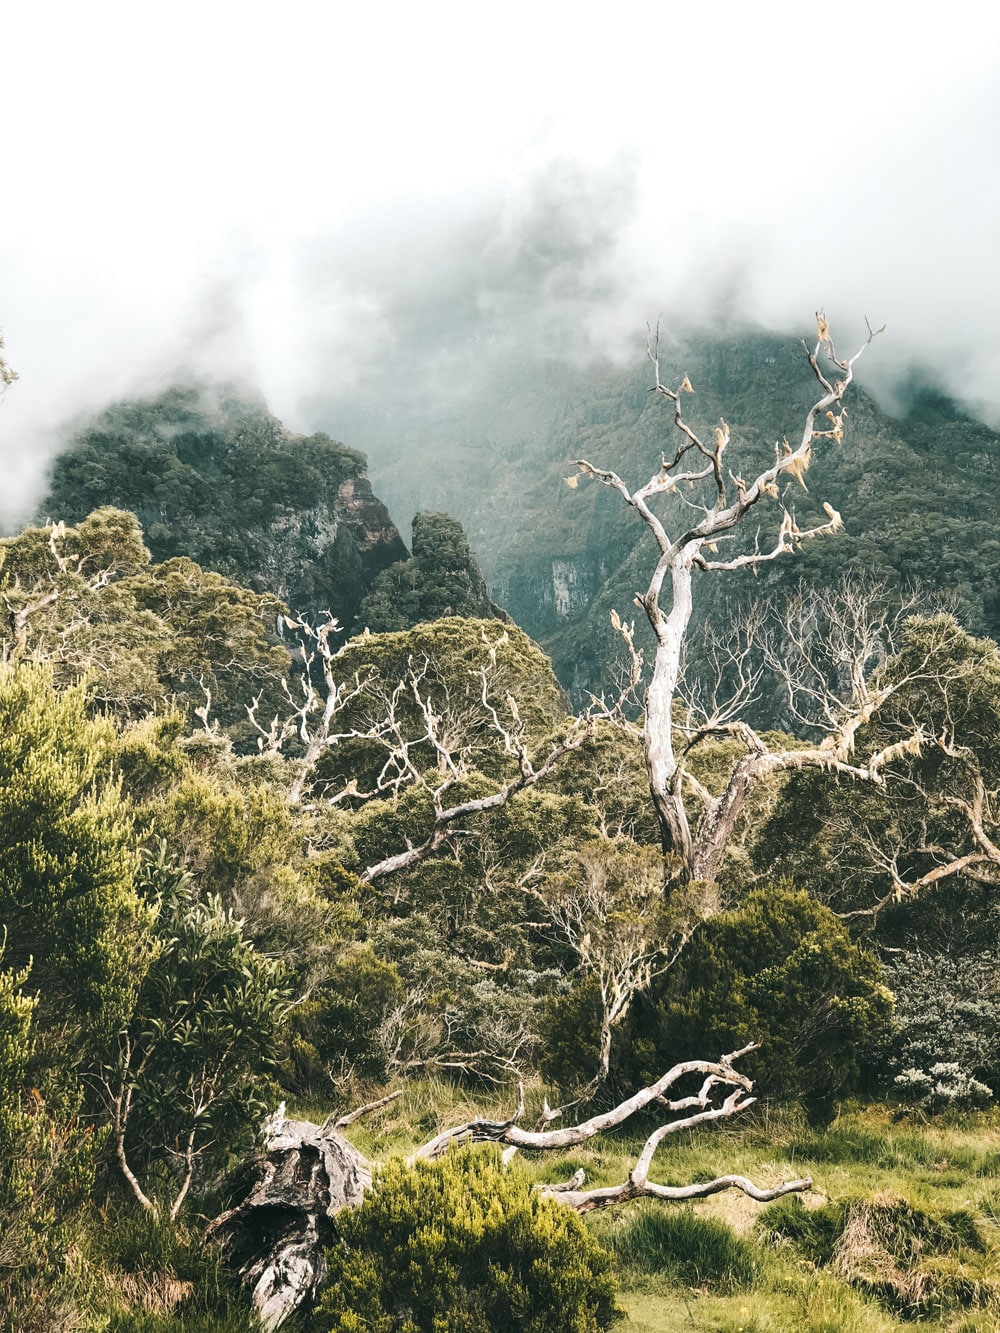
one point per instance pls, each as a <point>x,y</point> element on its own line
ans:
<point>686,1247</point>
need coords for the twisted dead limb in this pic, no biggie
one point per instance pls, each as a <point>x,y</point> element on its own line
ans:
<point>276,1234</point>
<point>702,1109</point>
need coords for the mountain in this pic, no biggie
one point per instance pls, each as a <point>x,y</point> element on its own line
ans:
<point>919,492</point>
<point>212,475</point>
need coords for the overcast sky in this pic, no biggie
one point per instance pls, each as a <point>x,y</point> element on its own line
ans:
<point>293,192</point>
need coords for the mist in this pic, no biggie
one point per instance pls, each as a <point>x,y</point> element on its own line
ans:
<point>345,210</point>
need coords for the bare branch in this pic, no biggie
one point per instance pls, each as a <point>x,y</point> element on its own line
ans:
<point>342,1122</point>
<point>586,1201</point>
<point>716,1073</point>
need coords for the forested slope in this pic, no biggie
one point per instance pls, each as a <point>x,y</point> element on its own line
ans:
<point>918,491</point>
<point>213,476</point>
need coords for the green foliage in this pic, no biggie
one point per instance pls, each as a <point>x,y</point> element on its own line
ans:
<point>50,1182</point>
<point>193,1073</point>
<point>813,1231</point>
<point>912,1260</point>
<point>218,638</point>
<point>87,598</point>
<point>947,1011</point>
<point>440,579</point>
<point>457,1014</point>
<point>155,1276</point>
<point>609,773</point>
<point>608,918</point>
<point>463,1246</point>
<point>570,1033</point>
<point>835,837</point>
<point>338,1033</point>
<point>946,1086</point>
<point>214,477</point>
<point>780,969</point>
<point>452,662</point>
<point>68,902</point>
<point>16,1010</point>
<point>238,839</point>
<point>64,602</point>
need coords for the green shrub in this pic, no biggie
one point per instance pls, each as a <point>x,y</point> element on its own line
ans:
<point>780,969</point>
<point>944,1087</point>
<point>336,1034</point>
<point>571,1034</point>
<point>885,1247</point>
<point>947,1026</point>
<point>463,1246</point>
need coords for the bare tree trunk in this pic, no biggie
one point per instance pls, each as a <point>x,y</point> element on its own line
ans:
<point>720,504</point>
<point>657,737</point>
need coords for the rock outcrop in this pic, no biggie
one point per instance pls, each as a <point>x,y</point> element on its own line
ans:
<point>212,475</point>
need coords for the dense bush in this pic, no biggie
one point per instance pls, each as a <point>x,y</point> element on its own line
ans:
<point>337,1032</point>
<point>192,1070</point>
<point>463,1246</point>
<point>780,969</point>
<point>947,1013</point>
<point>946,1086</point>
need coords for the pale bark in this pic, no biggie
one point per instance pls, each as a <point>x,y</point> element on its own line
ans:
<point>275,1236</point>
<point>699,845</point>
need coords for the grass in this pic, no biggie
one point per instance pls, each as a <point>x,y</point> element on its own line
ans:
<point>681,1245</point>
<point>902,1225</point>
<point>146,1275</point>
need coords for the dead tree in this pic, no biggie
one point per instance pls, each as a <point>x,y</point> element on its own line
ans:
<point>697,835</point>
<point>276,1234</point>
<point>435,756</point>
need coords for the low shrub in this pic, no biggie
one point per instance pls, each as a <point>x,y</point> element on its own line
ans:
<point>814,1232</point>
<point>944,1087</point>
<point>780,969</point>
<point>463,1246</point>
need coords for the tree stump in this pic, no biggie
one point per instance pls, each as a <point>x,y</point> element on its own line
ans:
<point>276,1236</point>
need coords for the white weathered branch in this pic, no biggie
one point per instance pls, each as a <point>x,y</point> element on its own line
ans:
<point>699,845</point>
<point>716,1073</point>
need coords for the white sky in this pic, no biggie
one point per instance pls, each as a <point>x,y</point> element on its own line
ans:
<point>262,185</point>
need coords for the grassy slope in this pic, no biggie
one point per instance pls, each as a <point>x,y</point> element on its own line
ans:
<point>716,1266</point>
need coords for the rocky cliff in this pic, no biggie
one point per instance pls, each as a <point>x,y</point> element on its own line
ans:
<point>211,474</point>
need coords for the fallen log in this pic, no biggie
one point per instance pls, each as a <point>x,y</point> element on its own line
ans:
<point>276,1234</point>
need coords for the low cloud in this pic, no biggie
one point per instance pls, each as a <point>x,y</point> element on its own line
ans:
<point>346,213</point>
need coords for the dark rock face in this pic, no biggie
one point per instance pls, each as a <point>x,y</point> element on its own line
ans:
<point>210,474</point>
<point>275,1237</point>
